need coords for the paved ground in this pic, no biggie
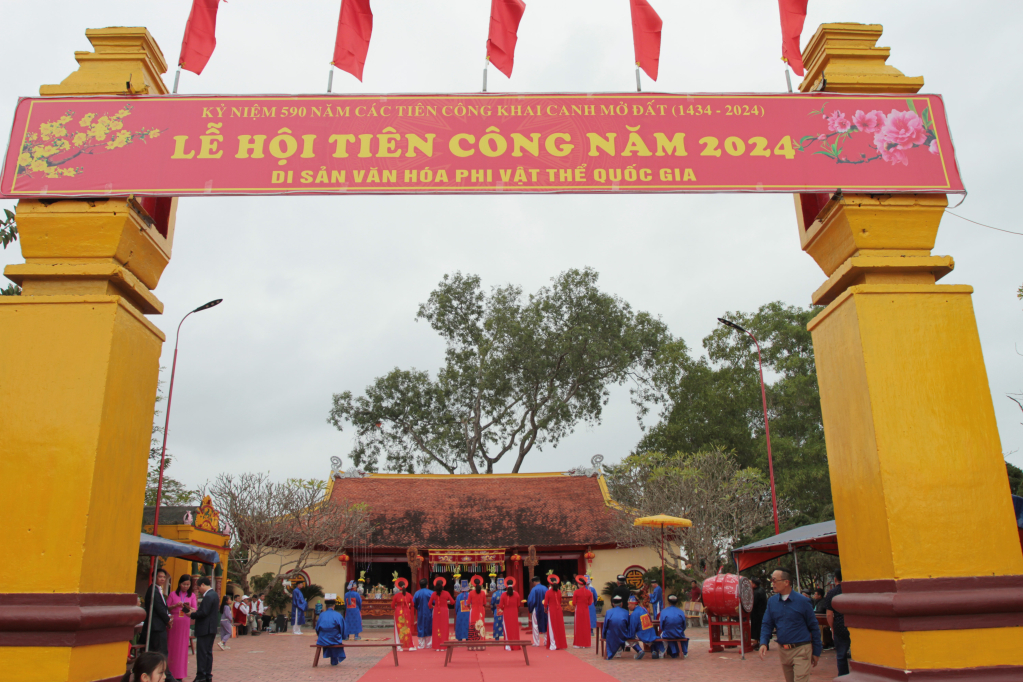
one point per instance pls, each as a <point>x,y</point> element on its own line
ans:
<point>286,657</point>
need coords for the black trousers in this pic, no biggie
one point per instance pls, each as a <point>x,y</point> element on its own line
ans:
<point>842,644</point>
<point>204,658</point>
<point>158,641</point>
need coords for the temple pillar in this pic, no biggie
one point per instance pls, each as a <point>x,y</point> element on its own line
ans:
<point>930,554</point>
<point>78,385</point>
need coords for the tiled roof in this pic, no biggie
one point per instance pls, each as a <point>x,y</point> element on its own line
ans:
<point>170,515</point>
<point>478,511</point>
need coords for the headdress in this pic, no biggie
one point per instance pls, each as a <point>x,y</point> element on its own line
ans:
<point>617,599</point>
<point>673,599</point>
<point>621,578</point>
<point>581,579</point>
<point>553,580</point>
<point>440,579</point>
<point>510,582</point>
<point>633,600</point>
<point>476,580</point>
<point>351,584</point>
<point>401,583</point>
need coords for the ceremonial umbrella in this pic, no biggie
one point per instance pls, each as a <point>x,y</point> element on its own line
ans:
<point>662,520</point>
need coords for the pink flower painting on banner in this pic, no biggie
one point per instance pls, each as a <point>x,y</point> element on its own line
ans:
<point>893,135</point>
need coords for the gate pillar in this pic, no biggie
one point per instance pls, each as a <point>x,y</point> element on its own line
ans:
<point>78,377</point>
<point>930,554</point>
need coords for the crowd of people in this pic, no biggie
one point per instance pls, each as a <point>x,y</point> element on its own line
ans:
<point>422,620</point>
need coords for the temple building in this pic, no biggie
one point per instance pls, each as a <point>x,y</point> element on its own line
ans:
<point>193,525</point>
<point>425,525</point>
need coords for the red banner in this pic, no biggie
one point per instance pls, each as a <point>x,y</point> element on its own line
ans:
<point>411,144</point>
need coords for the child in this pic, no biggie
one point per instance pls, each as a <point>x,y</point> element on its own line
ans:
<point>150,666</point>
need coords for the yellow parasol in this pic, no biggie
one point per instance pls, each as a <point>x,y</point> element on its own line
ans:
<point>662,520</point>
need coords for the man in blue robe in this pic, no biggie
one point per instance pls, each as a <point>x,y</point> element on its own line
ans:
<point>495,604</point>
<point>641,627</point>
<point>424,615</point>
<point>353,612</point>
<point>537,614</point>
<point>673,626</point>
<point>656,601</point>
<point>593,604</point>
<point>461,616</point>
<point>330,631</point>
<point>616,627</point>
<point>298,607</point>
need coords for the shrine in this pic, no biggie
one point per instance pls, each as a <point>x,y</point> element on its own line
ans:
<point>459,526</point>
<point>191,525</point>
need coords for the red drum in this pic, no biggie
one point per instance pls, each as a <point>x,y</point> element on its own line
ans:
<point>724,593</point>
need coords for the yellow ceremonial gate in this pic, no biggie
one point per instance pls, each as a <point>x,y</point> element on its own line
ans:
<point>934,575</point>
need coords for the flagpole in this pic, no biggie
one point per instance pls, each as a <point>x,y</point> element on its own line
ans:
<point>486,64</point>
<point>330,78</point>
<point>638,86</point>
<point>177,76</point>
<point>788,79</point>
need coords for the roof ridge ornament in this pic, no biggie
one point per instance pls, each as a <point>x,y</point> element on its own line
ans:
<point>335,467</point>
<point>353,473</point>
<point>593,470</point>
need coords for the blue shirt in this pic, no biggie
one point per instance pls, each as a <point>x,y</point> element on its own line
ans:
<point>637,629</point>
<point>657,600</point>
<point>535,604</point>
<point>616,630</point>
<point>424,615</point>
<point>330,628</point>
<point>794,620</point>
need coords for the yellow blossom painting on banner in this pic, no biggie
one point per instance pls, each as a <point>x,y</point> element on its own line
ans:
<point>50,150</point>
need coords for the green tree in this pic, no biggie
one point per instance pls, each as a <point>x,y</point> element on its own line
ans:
<point>1015,478</point>
<point>9,234</point>
<point>723,501</point>
<point>716,402</point>
<point>518,374</point>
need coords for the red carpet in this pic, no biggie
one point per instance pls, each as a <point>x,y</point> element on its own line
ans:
<point>493,665</point>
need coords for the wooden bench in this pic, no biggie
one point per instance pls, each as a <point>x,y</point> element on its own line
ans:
<point>316,659</point>
<point>450,646</point>
<point>602,643</point>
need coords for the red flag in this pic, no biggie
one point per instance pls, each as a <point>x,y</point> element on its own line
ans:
<point>646,36</point>
<point>504,26</point>
<point>354,28</point>
<point>200,36</point>
<point>793,13</point>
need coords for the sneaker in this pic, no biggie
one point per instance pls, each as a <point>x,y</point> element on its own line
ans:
<point>221,645</point>
<point>640,655</point>
<point>654,656</point>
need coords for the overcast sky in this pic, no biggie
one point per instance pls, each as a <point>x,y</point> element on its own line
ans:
<point>320,293</point>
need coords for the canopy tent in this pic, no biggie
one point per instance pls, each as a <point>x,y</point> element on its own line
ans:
<point>819,536</point>
<point>152,545</point>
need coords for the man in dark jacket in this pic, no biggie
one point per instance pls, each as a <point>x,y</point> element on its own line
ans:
<point>156,604</point>
<point>622,590</point>
<point>837,622</point>
<point>207,620</point>
<point>756,616</point>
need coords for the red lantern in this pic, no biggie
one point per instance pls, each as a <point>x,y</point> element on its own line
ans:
<point>343,558</point>
<point>589,556</point>
<point>515,557</point>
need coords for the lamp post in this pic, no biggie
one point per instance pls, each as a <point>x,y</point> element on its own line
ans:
<point>767,427</point>
<point>166,423</point>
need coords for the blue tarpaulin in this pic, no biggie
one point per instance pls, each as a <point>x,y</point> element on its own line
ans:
<point>151,545</point>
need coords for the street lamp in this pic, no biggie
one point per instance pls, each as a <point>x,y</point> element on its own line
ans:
<point>767,428</point>
<point>166,423</point>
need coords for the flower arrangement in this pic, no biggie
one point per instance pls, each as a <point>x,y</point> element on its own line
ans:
<point>49,150</point>
<point>891,135</point>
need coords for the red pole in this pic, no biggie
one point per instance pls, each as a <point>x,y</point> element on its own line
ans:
<point>166,425</point>
<point>767,426</point>
<point>663,585</point>
<point>767,432</point>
